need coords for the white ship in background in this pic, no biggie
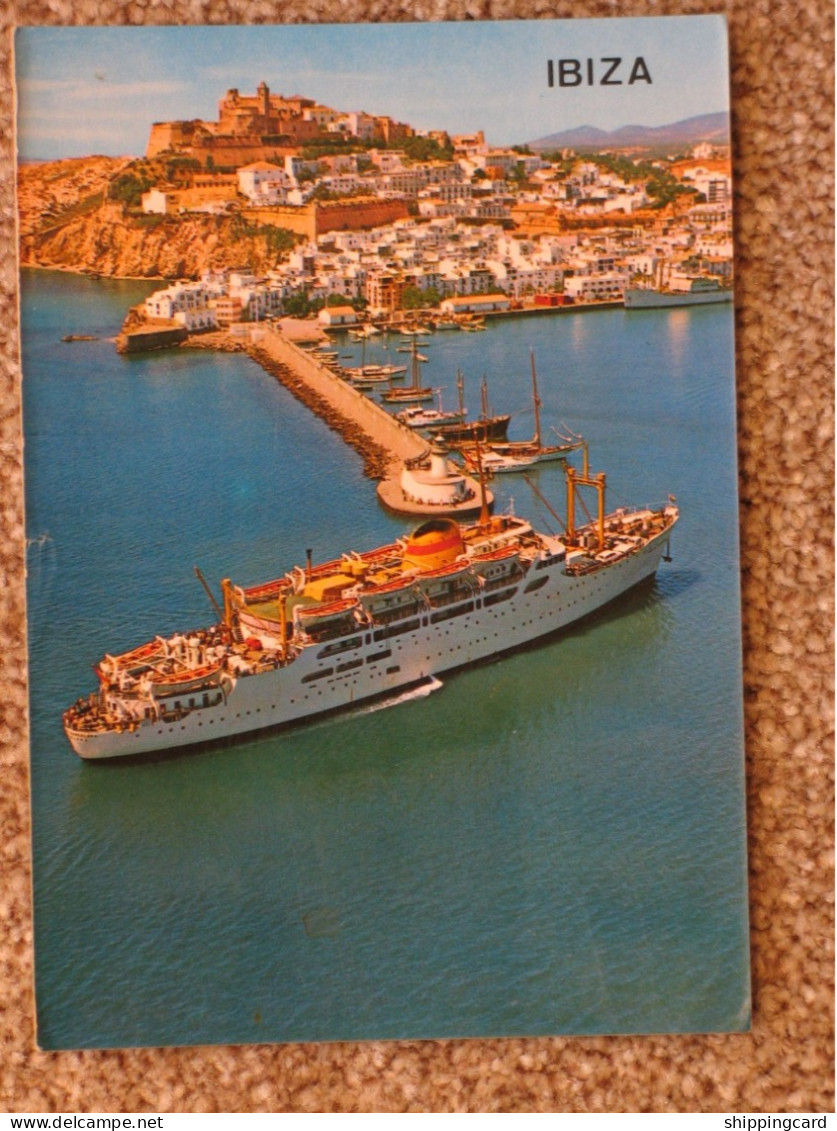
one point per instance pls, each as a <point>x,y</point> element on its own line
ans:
<point>678,288</point>
<point>368,625</point>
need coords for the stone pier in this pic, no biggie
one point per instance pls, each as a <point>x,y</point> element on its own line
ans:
<point>362,423</point>
<point>383,442</point>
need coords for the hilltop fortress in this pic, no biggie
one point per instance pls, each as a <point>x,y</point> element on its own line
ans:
<point>265,126</point>
<point>382,209</point>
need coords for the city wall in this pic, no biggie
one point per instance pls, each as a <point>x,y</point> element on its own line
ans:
<point>343,215</point>
<point>316,217</point>
<point>300,219</point>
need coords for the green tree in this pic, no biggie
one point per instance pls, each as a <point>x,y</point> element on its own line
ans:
<point>411,298</point>
<point>414,298</point>
<point>297,304</point>
<point>128,189</point>
<point>427,149</point>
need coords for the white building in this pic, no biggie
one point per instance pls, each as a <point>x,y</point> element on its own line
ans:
<point>596,288</point>
<point>475,304</point>
<point>337,316</point>
<point>182,297</point>
<point>716,189</point>
<point>263,183</point>
<point>158,202</point>
<point>193,320</point>
<point>387,160</point>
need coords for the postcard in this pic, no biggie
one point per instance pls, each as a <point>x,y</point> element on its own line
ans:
<point>381,506</point>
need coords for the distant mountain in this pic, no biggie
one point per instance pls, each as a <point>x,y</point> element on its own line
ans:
<point>705,127</point>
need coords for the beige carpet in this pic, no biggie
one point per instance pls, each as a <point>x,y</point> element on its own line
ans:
<point>782,80</point>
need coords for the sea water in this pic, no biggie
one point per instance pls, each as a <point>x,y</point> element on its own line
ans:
<point>550,843</point>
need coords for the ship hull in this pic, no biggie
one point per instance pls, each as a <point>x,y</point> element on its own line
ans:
<point>390,659</point>
<point>644,299</point>
<point>494,428</point>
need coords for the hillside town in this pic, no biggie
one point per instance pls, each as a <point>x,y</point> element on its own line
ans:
<point>370,218</point>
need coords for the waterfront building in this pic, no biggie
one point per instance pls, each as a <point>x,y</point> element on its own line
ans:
<point>596,288</point>
<point>475,304</point>
<point>195,320</point>
<point>228,309</point>
<point>182,297</point>
<point>347,283</point>
<point>523,279</point>
<point>384,290</point>
<point>337,316</point>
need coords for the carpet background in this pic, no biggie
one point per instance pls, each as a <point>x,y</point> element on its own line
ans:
<point>783,84</point>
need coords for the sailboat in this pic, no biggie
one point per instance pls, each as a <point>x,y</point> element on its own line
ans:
<point>518,454</point>
<point>365,376</point>
<point>486,429</point>
<point>412,393</point>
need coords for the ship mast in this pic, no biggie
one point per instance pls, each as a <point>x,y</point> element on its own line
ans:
<point>484,399</point>
<point>585,479</point>
<point>536,401</point>
<point>228,602</point>
<point>414,363</point>
<point>484,514</point>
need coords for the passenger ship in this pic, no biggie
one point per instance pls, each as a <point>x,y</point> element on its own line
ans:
<point>368,625</point>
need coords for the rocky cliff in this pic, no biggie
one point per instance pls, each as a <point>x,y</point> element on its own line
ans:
<point>68,221</point>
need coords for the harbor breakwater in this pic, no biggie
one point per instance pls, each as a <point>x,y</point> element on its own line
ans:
<point>382,441</point>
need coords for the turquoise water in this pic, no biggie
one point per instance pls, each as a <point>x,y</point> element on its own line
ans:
<point>552,843</point>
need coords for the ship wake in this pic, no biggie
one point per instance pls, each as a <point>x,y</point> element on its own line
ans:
<point>421,691</point>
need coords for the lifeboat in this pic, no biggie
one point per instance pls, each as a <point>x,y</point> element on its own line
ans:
<point>325,618</point>
<point>256,625</point>
<point>390,595</point>
<point>131,662</point>
<point>190,679</point>
<point>332,609</point>
<point>257,593</point>
<point>495,564</point>
<point>397,585</point>
<point>444,579</point>
<point>503,555</point>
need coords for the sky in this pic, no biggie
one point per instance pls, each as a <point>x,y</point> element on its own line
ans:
<point>86,90</point>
